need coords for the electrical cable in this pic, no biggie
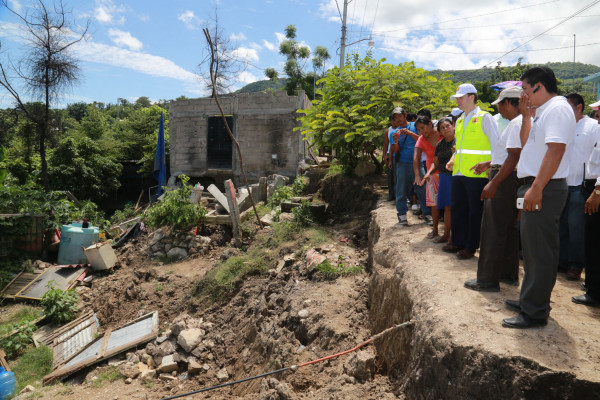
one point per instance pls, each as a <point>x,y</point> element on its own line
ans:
<point>294,368</point>
<point>585,8</point>
<point>484,52</point>
<point>363,19</point>
<point>374,18</point>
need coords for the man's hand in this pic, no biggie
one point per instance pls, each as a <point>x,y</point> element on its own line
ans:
<point>481,167</point>
<point>489,191</point>
<point>592,203</point>
<point>532,201</point>
<point>524,105</point>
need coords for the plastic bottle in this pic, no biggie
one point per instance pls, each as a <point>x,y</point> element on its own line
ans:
<point>8,384</point>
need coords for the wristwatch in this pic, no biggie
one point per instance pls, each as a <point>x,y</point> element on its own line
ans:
<point>597,191</point>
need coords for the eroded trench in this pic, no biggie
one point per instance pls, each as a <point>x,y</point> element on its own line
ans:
<point>423,360</point>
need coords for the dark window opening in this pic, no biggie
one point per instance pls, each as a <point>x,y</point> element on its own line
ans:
<point>219,143</point>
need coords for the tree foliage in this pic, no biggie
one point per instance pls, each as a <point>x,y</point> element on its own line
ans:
<point>357,100</point>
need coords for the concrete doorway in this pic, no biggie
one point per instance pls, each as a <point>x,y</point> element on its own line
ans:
<point>219,146</point>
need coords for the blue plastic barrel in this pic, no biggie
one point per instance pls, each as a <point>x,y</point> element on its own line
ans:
<point>72,238</point>
<point>8,384</point>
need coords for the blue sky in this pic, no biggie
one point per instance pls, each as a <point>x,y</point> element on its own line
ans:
<point>153,48</point>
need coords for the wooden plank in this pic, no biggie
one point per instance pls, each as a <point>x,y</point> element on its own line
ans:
<point>104,344</point>
<point>3,360</point>
<point>11,282</point>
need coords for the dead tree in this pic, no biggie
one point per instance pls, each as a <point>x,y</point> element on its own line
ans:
<point>233,139</point>
<point>47,69</point>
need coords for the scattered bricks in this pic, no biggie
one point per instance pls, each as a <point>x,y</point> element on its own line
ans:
<point>190,338</point>
<point>168,364</point>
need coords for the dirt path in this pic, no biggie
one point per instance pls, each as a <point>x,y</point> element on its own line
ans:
<point>472,321</point>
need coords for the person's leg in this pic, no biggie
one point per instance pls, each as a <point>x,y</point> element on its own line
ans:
<point>510,264</point>
<point>401,182</point>
<point>475,211</point>
<point>539,236</point>
<point>576,226</point>
<point>391,185</point>
<point>563,234</point>
<point>447,223</point>
<point>459,211</point>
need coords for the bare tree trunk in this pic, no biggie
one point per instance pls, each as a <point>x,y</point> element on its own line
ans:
<point>233,139</point>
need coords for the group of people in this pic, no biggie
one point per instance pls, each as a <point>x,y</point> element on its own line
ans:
<point>524,181</point>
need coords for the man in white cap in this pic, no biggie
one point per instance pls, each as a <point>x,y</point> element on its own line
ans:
<point>499,252</point>
<point>572,220</point>
<point>476,138</point>
<point>542,171</point>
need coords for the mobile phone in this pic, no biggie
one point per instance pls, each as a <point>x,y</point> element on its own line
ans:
<point>536,89</point>
<point>520,201</point>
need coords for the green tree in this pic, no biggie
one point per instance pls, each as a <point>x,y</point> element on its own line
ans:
<point>357,100</point>
<point>143,102</point>
<point>82,168</point>
<point>297,56</point>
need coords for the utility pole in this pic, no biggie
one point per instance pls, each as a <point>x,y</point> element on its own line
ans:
<point>573,63</point>
<point>343,45</point>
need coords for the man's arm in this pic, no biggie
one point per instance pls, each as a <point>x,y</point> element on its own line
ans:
<point>386,145</point>
<point>416,165</point>
<point>489,191</point>
<point>533,196</point>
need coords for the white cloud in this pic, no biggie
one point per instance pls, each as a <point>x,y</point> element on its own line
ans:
<point>15,5</point>
<point>240,36</point>
<point>280,37</point>
<point>255,46</point>
<point>107,12</point>
<point>466,34</point>
<point>121,38</point>
<point>270,46</point>
<point>190,20</point>
<point>144,17</point>
<point>246,77</point>
<point>246,54</point>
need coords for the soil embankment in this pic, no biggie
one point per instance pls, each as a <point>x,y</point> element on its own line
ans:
<point>457,348</point>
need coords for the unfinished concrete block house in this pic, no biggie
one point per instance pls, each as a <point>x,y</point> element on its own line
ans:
<point>262,123</point>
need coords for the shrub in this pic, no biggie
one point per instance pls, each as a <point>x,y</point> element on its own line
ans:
<point>175,208</point>
<point>331,272</point>
<point>282,194</point>
<point>16,343</point>
<point>299,185</point>
<point>302,214</point>
<point>60,306</point>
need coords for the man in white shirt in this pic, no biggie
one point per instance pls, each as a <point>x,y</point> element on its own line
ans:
<point>572,220</point>
<point>591,189</point>
<point>499,244</point>
<point>542,171</point>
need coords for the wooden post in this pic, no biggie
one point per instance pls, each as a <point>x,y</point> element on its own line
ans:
<point>234,212</point>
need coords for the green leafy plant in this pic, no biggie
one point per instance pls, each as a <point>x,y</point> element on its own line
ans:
<point>175,208</point>
<point>15,343</point>
<point>302,214</point>
<point>282,194</point>
<point>60,306</point>
<point>331,272</point>
<point>299,185</point>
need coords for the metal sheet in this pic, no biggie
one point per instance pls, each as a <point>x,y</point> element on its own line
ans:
<point>62,277</point>
<point>75,339</point>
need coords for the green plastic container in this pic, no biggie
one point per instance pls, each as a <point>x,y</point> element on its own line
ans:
<point>72,240</point>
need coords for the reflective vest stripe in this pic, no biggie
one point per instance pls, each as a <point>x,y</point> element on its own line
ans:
<point>476,152</point>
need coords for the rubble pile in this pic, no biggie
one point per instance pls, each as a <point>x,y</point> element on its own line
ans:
<point>176,245</point>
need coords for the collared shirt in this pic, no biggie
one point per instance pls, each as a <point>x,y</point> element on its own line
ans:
<point>510,138</point>
<point>405,142</point>
<point>488,124</point>
<point>554,123</point>
<point>592,167</point>
<point>587,133</point>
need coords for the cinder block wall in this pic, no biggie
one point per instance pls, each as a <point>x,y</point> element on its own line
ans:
<point>263,125</point>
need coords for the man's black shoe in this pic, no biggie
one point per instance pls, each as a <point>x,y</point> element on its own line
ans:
<point>514,304</point>
<point>523,321</point>
<point>475,284</point>
<point>510,281</point>
<point>586,300</point>
<point>583,287</point>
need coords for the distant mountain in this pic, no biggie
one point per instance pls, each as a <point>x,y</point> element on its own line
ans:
<point>261,86</point>
<point>562,70</point>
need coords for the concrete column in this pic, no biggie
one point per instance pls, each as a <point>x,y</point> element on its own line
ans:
<point>234,212</point>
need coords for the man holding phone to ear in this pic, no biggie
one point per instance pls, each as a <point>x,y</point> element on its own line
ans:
<point>542,171</point>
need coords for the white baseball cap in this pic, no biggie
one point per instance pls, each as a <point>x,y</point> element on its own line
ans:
<point>456,112</point>
<point>596,104</point>
<point>465,88</point>
<point>511,92</point>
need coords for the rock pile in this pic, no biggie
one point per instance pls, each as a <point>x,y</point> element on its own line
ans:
<point>186,349</point>
<point>176,245</point>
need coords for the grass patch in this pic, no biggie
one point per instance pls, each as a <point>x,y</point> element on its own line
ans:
<point>159,288</point>
<point>33,366</point>
<point>223,279</point>
<point>22,315</point>
<point>317,235</point>
<point>109,374</point>
<point>332,272</point>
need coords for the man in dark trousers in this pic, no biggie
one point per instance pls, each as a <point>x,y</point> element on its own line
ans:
<point>542,170</point>
<point>499,252</point>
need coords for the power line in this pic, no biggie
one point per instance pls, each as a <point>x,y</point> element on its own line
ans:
<point>585,8</point>
<point>484,52</point>
<point>374,17</point>
<point>362,24</point>
<point>474,16</point>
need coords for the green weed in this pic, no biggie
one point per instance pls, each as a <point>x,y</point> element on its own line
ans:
<point>332,272</point>
<point>33,366</point>
<point>110,374</point>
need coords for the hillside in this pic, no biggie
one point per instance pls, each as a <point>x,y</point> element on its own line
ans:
<point>563,71</point>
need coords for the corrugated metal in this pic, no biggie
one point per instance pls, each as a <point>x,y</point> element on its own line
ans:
<point>76,338</point>
<point>128,335</point>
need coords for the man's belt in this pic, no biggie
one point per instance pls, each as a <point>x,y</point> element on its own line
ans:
<point>528,180</point>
